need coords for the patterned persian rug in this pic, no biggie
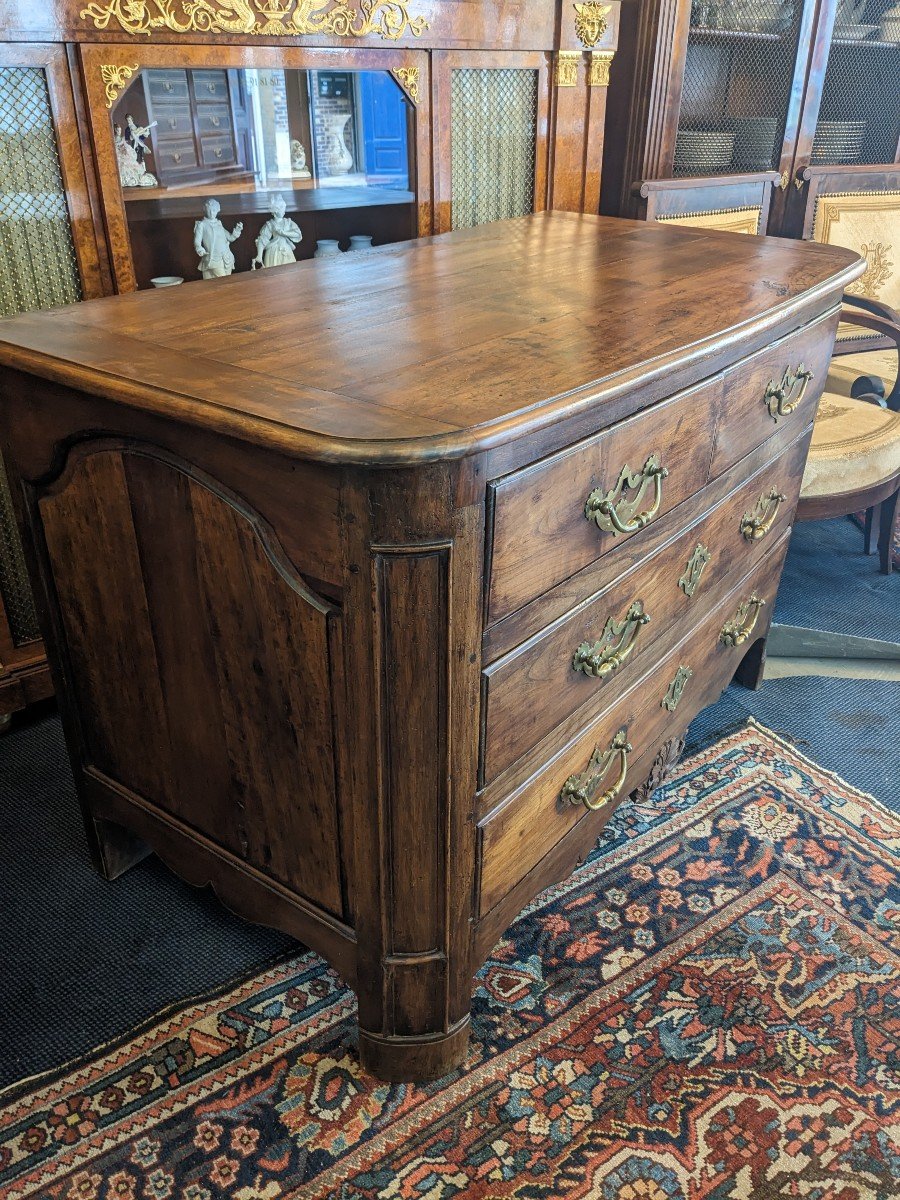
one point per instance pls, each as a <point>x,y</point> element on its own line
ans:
<point>709,1009</point>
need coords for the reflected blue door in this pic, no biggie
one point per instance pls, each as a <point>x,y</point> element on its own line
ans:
<point>383,112</point>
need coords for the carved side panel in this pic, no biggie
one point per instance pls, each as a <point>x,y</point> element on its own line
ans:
<point>199,661</point>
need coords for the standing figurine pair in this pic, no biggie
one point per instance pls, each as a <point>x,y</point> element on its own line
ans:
<point>274,245</point>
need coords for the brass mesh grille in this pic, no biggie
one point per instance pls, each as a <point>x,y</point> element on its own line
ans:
<point>859,117</point>
<point>737,81</point>
<point>38,269</point>
<point>493,142</point>
<point>38,257</point>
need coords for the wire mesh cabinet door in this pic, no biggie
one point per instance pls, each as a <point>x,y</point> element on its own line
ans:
<point>42,265</point>
<point>491,136</point>
<point>716,89</point>
<point>739,69</point>
<point>851,111</point>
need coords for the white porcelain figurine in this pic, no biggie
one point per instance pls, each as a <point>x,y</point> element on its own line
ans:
<point>132,172</point>
<point>277,238</point>
<point>212,242</point>
<point>298,160</point>
<point>136,135</point>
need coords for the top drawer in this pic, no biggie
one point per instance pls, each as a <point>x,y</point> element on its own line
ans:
<point>554,518</point>
<point>209,85</point>
<point>779,385</point>
<point>167,85</point>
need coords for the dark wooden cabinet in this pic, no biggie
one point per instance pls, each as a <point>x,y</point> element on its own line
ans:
<point>714,88</point>
<point>375,640</point>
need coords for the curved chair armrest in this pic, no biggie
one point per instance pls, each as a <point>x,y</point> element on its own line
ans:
<point>878,307</point>
<point>887,327</point>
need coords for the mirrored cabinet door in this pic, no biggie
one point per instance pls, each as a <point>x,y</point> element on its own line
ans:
<point>218,160</point>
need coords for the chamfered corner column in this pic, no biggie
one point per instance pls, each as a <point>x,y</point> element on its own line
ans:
<point>412,673</point>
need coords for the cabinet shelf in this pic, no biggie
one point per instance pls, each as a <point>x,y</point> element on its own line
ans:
<point>248,199</point>
<point>864,44</point>
<point>701,32</point>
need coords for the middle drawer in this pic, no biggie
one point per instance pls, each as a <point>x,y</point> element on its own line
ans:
<point>586,658</point>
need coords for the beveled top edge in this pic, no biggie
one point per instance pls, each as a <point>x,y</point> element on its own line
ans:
<point>436,440</point>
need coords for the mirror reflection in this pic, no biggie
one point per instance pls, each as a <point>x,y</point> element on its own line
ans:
<point>299,164</point>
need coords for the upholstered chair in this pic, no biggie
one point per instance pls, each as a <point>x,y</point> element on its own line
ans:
<point>854,458</point>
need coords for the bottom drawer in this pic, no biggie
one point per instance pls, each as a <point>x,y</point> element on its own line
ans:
<point>595,772</point>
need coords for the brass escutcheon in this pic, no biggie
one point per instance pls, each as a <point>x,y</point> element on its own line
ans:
<point>676,687</point>
<point>736,631</point>
<point>757,521</point>
<point>782,398</point>
<point>614,512</point>
<point>582,789</point>
<point>696,565</point>
<point>613,646</point>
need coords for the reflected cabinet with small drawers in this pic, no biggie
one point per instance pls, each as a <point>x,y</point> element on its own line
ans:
<point>376,643</point>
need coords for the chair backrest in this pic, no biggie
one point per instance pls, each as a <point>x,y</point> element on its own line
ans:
<point>737,203</point>
<point>859,208</point>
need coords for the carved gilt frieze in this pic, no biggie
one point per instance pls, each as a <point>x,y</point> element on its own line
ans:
<point>388,19</point>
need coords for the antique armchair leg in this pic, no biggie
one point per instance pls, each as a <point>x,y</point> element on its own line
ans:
<point>871,532</point>
<point>887,520</point>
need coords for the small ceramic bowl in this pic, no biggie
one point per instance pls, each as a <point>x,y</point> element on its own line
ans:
<point>327,248</point>
<point>166,280</point>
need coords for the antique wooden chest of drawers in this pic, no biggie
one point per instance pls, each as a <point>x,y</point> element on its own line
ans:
<point>374,585</point>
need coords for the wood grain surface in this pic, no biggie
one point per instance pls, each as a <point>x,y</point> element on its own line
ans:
<point>436,348</point>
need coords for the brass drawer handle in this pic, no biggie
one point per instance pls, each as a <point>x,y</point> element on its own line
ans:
<point>675,689</point>
<point>696,565</point>
<point>736,631</point>
<point>782,398</point>
<point>757,521</point>
<point>582,789</point>
<point>176,158</point>
<point>167,87</point>
<point>613,646</point>
<point>216,121</point>
<point>218,152</point>
<point>173,122</point>
<point>211,88</point>
<point>614,512</point>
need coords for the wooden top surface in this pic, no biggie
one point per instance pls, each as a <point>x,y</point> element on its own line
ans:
<point>439,347</point>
